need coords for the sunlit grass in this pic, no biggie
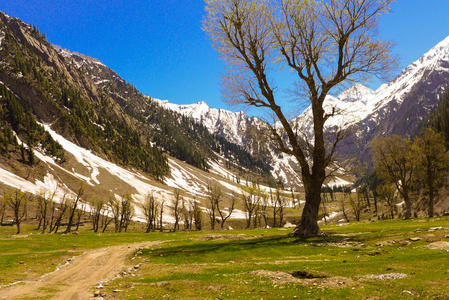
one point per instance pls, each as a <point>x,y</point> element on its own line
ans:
<point>260,264</point>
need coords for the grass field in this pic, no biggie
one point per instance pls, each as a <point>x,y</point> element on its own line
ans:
<point>367,260</point>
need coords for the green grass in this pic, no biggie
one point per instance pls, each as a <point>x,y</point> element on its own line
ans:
<point>260,264</point>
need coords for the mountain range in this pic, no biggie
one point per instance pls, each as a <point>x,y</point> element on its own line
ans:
<point>69,119</point>
<point>399,107</point>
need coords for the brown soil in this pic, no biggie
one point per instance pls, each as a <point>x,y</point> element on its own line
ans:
<point>75,280</point>
<point>280,277</point>
<point>440,245</point>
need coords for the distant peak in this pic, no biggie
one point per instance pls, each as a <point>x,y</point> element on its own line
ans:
<point>202,103</point>
<point>355,92</point>
<point>443,43</point>
<point>68,53</point>
<point>3,13</point>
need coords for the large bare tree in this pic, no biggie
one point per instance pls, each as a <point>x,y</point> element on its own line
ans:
<point>325,43</point>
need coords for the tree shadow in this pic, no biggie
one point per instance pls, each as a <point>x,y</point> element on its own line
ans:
<point>234,246</point>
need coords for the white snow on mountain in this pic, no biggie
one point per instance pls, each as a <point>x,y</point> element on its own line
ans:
<point>358,102</point>
<point>96,170</point>
<point>217,121</point>
<point>349,108</point>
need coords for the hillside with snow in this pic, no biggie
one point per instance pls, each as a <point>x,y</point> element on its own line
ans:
<point>83,168</point>
<point>233,125</point>
<point>70,122</point>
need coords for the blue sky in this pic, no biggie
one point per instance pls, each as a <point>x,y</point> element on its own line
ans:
<point>158,45</point>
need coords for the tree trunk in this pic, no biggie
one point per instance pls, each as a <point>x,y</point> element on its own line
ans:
<point>40,224</point>
<point>17,225</point>
<point>308,227</point>
<point>248,220</point>
<point>430,184</point>
<point>408,205</point>
<point>375,202</point>
<point>431,200</point>
<point>75,205</point>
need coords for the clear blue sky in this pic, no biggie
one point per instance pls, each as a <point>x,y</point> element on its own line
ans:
<point>158,45</point>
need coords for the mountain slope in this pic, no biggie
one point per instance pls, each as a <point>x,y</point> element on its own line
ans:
<point>405,104</point>
<point>56,92</point>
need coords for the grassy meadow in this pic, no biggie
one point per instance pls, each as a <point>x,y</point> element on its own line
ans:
<point>392,259</point>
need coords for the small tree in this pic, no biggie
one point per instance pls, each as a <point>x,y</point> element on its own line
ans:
<point>17,201</point>
<point>44,202</point>
<point>323,203</point>
<point>274,204</point>
<point>126,212</point>
<point>41,209</point>
<point>226,213</point>
<point>96,209</point>
<point>57,214</point>
<point>215,196</point>
<point>122,211</point>
<point>161,216</point>
<point>150,208</point>
<point>282,202</point>
<point>79,213</point>
<point>295,204</point>
<point>343,209</point>
<point>251,198</point>
<point>395,163</point>
<point>188,212</point>
<point>3,206</point>
<point>197,215</point>
<point>372,183</point>
<point>106,219</point>
<point>388,193</point>
<point>264,209</point>
<point>73,209</point>
<point>357,206</point>
<point>432,164</point>
<point>115,209</point>
<point>176,208</point>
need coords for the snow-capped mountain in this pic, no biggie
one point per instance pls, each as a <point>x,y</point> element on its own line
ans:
<point>402,106</point>
<point>232,125</point>
<point>359,103</point>
<point>399,107</point>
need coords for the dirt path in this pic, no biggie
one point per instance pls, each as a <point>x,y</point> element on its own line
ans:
<point>73,281</point>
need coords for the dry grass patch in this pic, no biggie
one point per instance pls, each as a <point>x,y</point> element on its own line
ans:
<point>441,245</point>
<point>221,237</point>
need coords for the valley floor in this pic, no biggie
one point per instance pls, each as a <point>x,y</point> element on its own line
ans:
<point>361,260</point>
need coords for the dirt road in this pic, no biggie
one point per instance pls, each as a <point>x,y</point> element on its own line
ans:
<point>74,281</point>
